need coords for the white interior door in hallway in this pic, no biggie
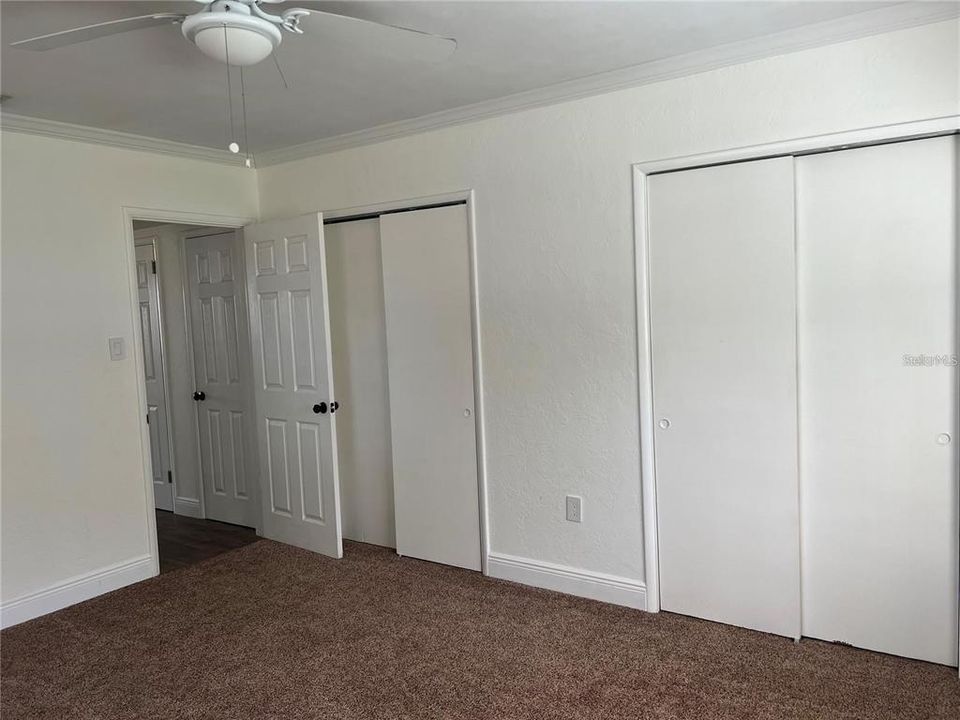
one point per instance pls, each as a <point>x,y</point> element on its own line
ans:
<point>219,327</point>
<point>426,282</point>
<point>293,382</point>
<point>148,296</point>
<point>878,395</point>
<point>725,397</point>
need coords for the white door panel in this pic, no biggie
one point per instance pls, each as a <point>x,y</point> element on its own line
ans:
<point>293,384</point>
<point>358,332</point>
<point>150,335</point>
<point>724,366</point>
<point>221,370</point>
<point>878,282</point>
<point>426,280</point>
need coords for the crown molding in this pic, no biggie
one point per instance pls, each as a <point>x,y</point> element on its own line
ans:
<point>873,22</point>
<point>113,138</point>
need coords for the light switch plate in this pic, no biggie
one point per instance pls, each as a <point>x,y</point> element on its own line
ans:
<point>574,508</point>
<point>118,348</point>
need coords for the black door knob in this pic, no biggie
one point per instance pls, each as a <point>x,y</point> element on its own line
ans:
<point>199,396</point>
<point>320,408</point>
<point>334,406</point>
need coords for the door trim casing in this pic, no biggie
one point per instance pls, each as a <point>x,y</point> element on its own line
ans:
<point>129,214</point>
<point>469,198</point>
<point>641,171</point>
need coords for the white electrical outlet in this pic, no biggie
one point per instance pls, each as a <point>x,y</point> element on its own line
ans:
<point>574,508</point>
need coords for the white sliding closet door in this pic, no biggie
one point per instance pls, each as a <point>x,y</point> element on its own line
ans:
<point>426,282</point>
<point>359,341</point>
<point>878,434</point>
<point>723,310</point>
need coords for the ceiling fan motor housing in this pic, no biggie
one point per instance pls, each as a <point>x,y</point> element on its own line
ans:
<point>228,32</point>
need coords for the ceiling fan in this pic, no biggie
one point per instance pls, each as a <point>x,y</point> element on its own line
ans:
<point>241,32</point>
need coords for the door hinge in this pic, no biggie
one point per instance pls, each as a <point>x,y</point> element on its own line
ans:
<point>169,476</point>
<point>148,419</point>
<point>153,266</point>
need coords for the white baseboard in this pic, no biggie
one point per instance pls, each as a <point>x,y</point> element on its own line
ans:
<point>188,507</point>
<point>582,583</point>
<point>75,590</point>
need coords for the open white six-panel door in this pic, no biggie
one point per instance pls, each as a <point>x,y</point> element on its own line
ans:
<point>293,383</point>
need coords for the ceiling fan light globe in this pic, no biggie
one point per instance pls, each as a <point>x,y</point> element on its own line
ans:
<point>242,39</point>
<point>245,47</point>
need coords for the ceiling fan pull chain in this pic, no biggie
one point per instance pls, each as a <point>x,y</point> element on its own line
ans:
<point>248,160</point>
<point>232,147</point>
<point>276,61</point>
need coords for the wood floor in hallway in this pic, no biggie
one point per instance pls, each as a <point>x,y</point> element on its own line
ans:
<point>184,541</point>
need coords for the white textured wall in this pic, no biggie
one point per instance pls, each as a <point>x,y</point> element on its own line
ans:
<point>73,493</point>
<point>555,247</point>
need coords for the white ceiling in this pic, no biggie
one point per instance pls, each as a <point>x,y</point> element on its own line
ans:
<point>153,82</point>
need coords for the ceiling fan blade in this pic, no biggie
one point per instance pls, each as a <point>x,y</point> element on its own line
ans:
<point>399,42</point>
<point>91,32</point>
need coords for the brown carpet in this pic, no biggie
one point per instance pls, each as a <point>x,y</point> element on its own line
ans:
<point>269,631</point>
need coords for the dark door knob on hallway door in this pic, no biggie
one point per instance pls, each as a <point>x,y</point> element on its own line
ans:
<point>200,396</point>
<point>334,406</point>
<point>320,408</point>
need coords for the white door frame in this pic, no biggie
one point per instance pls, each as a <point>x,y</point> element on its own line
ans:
<point>468,197</point>
<point>129,214</point>
<point>816,143</point>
